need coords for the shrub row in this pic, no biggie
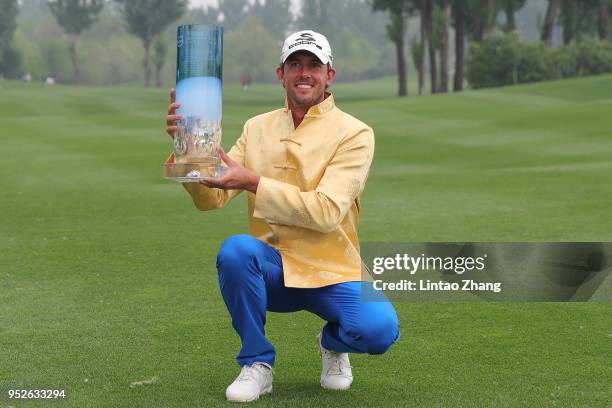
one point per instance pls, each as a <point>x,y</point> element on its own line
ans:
<point>505,60</point>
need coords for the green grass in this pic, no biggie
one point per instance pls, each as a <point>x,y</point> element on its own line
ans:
<point>107,271</point>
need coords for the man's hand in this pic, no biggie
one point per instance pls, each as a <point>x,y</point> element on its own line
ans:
<point>236,176</point>
<point>172,117</point>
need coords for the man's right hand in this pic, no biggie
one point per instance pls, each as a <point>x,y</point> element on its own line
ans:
<point>172,116</point>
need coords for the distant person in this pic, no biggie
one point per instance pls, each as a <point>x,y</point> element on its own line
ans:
<point>245,81</point>
<point>27,78</point>
<point>304,167</point>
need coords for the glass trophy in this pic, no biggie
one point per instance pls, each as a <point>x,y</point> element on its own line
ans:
<point>199,63</point>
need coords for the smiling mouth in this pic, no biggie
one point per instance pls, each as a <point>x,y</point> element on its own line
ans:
<point>304,86</point>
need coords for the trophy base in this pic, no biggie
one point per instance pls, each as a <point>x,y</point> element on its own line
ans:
<point>194,172</point>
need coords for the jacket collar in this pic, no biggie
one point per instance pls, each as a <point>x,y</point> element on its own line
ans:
<point>319,109</point>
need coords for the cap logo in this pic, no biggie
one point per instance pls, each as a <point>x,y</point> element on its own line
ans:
<point>307,36</point>
<point>305,39</point>
<point>305,43</point>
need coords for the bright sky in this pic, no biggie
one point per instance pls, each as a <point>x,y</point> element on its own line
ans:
<point>295,4</point>
<point>197,3</point>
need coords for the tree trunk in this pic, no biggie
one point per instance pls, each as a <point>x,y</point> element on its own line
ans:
<point>568,14</point>
<point>401,65</point>
<point>583,12</point>
<point>145,64</point>
<point>489,19</point>
<point>568,35</point>
<point>477,26</point>
<point>444,48</point>
<point>422,63</point>
<point>510,20</point>
<point>433,72</point>
<point>602,20</point>
<point>396,32</point>
<point>549,22</point>
<point>72,46</point>
<point>158,76</point>
<point>459,17</point>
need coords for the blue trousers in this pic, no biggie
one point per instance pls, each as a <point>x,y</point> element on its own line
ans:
<point>251,282</point>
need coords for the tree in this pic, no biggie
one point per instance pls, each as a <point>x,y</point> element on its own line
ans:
<point>417,50</point>
<point>489,16</point>
<point>9,9</point>
<point>159,57</point>
<point>275,15</point>
<point>75,16</point>
<point>459,12</point>
<point>234,12</point>
<point>581,17</point>
<point>444,18</point>
<point>9,56</point>
<point>310,14</point>
<point>427,21</point>
<point>603,21</point>
<point>319,15</point>
<point>347,23</point>
<point>146,19</point>
<point>250,50</point>
<point>422,44</point>
<point>471,19</point>
<point>568,20</point>
<point>510,8</point>
<point>201,15</point>
<point>396,31</point>
<point>481,18</point>
<point>549,21</point>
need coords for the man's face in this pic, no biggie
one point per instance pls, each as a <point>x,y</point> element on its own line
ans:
<point>304,78</point>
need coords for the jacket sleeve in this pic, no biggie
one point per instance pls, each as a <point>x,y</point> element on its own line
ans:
<point>206,198</point>
<point>323,208</point>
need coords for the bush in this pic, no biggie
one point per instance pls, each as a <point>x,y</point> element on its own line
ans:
<point>565,60</point>
<point>493,62</point>
<point>587,57</point>
<point>504,60</point>
<point>535,63</point>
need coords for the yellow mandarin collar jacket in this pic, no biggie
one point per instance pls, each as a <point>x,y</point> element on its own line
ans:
<point>307,201</point>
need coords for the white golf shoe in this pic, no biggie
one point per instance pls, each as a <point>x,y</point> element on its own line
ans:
<point>253,381</point>
<point>336,373</point>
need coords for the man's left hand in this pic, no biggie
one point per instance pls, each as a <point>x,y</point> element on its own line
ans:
<point>236,176</point>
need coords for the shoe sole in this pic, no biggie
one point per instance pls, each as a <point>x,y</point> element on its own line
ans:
<point>263,392</point>
<point>336,389</point>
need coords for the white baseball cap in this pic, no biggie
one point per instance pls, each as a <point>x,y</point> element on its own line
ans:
<point>310,41</point>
